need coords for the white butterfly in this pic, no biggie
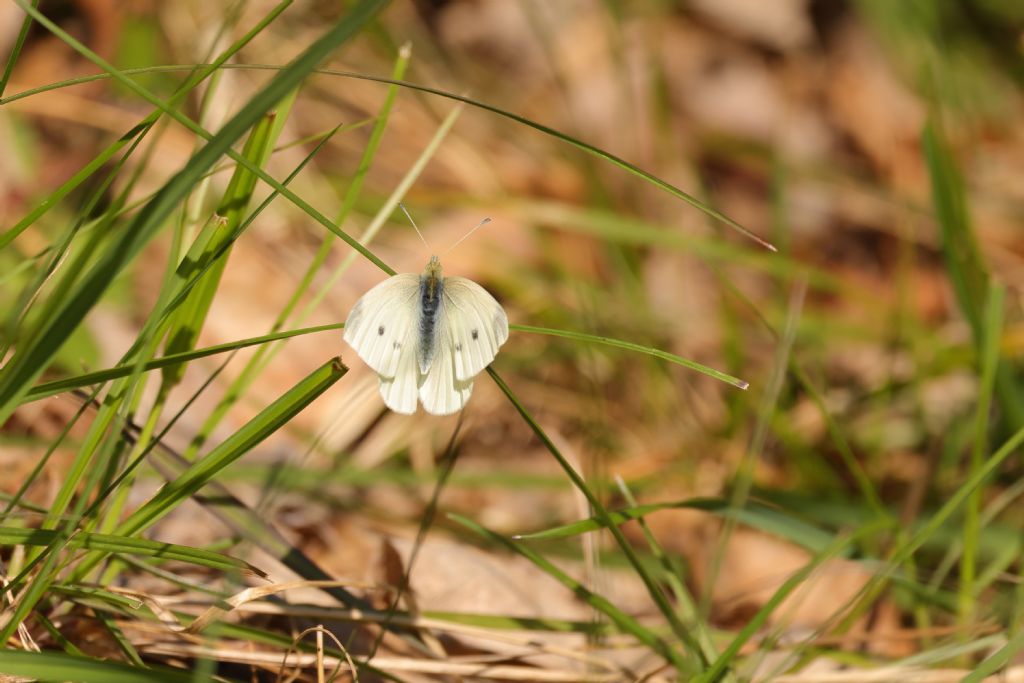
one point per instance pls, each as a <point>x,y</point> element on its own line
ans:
<point>427,336</point>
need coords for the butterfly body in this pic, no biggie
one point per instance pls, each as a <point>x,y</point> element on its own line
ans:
<point>427,337</point>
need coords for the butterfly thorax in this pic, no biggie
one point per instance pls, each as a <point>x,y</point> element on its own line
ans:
<point>431,289</point>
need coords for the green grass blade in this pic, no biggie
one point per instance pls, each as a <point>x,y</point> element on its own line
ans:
<point>28,363</point>
<point>79,381</point>
<point>58,666</point>
<point>997,661</point>
<point>586,147</point>
<point>761,517</point>
<point>992,330</point>
<point>967,270</point>
<point>19,43</point>
<point>575,142</point>
<point>629,346</point>
<point>130,546</point>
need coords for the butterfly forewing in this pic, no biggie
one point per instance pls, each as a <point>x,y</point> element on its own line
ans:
<point>382,325</point>
<point>478,325</point>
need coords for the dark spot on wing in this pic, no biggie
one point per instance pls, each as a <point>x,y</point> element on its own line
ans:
<point>475,334</point>
<point>458,346</point>
<point>396,345</point>
<point>380,330</point>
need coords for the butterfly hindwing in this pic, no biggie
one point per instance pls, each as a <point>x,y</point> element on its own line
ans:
<point>477,323</point>
<point>399,391</point>
<point>382,325</point>
<point>440,391</point>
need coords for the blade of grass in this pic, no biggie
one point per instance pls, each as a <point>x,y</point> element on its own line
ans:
<point>991,333</point>
<point>762,517</point>
<point>997,661</point>
<point>586,147</point>
<point>744,477</point>
<point>629,346</point>
<point>62,385</point>
<point>59,386</point>
<point>132,546</point>
<point>575,142</point>
<point>19,43</point>
<point>964,263</point>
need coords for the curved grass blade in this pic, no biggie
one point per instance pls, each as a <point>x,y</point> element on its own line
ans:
<point>19,43</point>
<point>968,271</point>
<point>30,361</point>
<point>129,546</point>
<point>760,517</point>
<point>575,142</point>
<point>629,346</point>
<point>79,381</point>
<point>997,661</point>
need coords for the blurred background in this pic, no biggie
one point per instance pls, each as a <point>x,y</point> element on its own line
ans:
<point>803,120</point>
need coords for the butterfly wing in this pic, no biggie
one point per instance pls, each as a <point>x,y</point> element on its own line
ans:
<point>399,392</point>
<point>440,391</point>
<point>382,328</point>
<point>476,323</point>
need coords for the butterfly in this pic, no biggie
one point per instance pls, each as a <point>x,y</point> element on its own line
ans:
<point>427,337</point>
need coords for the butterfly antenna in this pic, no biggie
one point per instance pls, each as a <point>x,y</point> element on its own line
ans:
<point>414,227</point>
<point>478,226</point>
